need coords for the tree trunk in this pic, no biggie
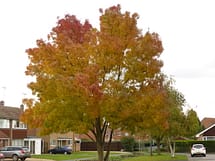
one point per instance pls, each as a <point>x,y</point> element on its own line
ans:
<point>100,151</point>
<point>99,139</point>
<point>158,145</point>
<point>151,147</point>
<point>171,147</point>
<point>173,154</point>
<point>100,131</point>
<point>109,146</point>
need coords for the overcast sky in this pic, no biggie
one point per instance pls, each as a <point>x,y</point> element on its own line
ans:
<point>186,27</point>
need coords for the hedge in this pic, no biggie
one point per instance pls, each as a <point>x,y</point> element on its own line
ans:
<point>184,146</point>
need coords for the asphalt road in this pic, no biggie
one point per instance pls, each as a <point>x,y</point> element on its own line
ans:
<point>31,159</point>
<point>209,157</point>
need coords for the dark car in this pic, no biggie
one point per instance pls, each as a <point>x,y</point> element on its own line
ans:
<point>60,150</point>
<point>15,152</point>
<point>1,156</point>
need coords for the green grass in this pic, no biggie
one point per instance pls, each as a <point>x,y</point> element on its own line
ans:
<point>155,157</point>
<point>74,155</point>
<point>113,156</point>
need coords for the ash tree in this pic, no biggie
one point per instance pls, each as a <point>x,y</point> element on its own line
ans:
<point>90,80</point>
<point>167,122</point>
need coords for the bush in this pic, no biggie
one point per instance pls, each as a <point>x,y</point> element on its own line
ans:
<point>185,145</point>
<point>128,143</point>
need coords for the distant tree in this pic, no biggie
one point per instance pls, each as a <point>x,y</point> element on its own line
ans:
<point>89,80</point>
<point>192,124</point>
<point>168,118</point>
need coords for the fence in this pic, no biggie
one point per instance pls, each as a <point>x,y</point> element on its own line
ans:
<point>91,146</point>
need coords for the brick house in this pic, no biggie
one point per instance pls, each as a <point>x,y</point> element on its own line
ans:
<point>12,131</point>
<point>207,122</point>
<point>54,140</point>
<point>209,129</point>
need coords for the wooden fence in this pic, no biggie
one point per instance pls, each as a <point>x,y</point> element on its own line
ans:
<point>91,146</point>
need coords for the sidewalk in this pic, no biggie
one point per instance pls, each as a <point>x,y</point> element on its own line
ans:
<point>34,159</point>
<point>31,159</point>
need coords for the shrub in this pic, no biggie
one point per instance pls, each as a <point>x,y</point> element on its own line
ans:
<point>185,145</point>
<point>128,143</point>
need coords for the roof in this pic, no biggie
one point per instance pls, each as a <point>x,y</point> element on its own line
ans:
<point>205,130</point>
<point>12,113</point>
<point>207,122</point>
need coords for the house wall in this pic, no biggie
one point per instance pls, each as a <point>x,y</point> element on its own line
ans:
<point>207,134</point>
<point>17,137</point>
<point>57,139</point>
<point>210,132</point>
<point>17,133</point>
<point>12,131</point>
<point>117,135</point>
<point>35,145</point>
<point>66,139</point>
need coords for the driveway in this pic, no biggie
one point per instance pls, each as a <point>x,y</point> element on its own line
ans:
<point>209,157</point>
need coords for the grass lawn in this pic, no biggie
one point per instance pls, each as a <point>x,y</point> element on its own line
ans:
<point>155,157</point>
<point>113,156</point>
<point>74,155</point>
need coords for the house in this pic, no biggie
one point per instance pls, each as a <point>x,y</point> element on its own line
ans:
<point>209,132</point>
<point>12,131</point>
<point>207,122</point>
<point>52,140</point>
<point>117,135</point>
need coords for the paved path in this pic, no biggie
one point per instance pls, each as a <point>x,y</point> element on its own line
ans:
<point>31,159</point>
<point>34,159</point>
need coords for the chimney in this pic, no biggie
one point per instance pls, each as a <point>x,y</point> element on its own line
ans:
<point>22,107</point>
<point>2,103</point>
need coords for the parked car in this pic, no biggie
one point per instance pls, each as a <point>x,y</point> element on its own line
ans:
<point>15,152</point>
<point>198,150</point>
<point>1,156</point>
<point>60,150</point>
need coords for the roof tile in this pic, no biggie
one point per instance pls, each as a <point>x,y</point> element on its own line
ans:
<point>7,112</point>
<point>207,122</point>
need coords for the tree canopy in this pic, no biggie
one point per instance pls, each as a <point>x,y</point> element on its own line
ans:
<point>90,79</point>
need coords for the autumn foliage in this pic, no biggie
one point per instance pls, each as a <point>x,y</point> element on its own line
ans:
<point>94,80</point>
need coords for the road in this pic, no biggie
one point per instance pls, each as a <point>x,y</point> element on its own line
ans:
<point>209,157</point>
<point>31,159</point>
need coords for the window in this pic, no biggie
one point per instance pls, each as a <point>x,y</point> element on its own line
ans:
<point>18,125</point>
<point>4,123</point>
<point>53,142</point>
<point>17,142</point>
<point>210,137</point>
<point>15,124</point>
<point>70,142</point>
